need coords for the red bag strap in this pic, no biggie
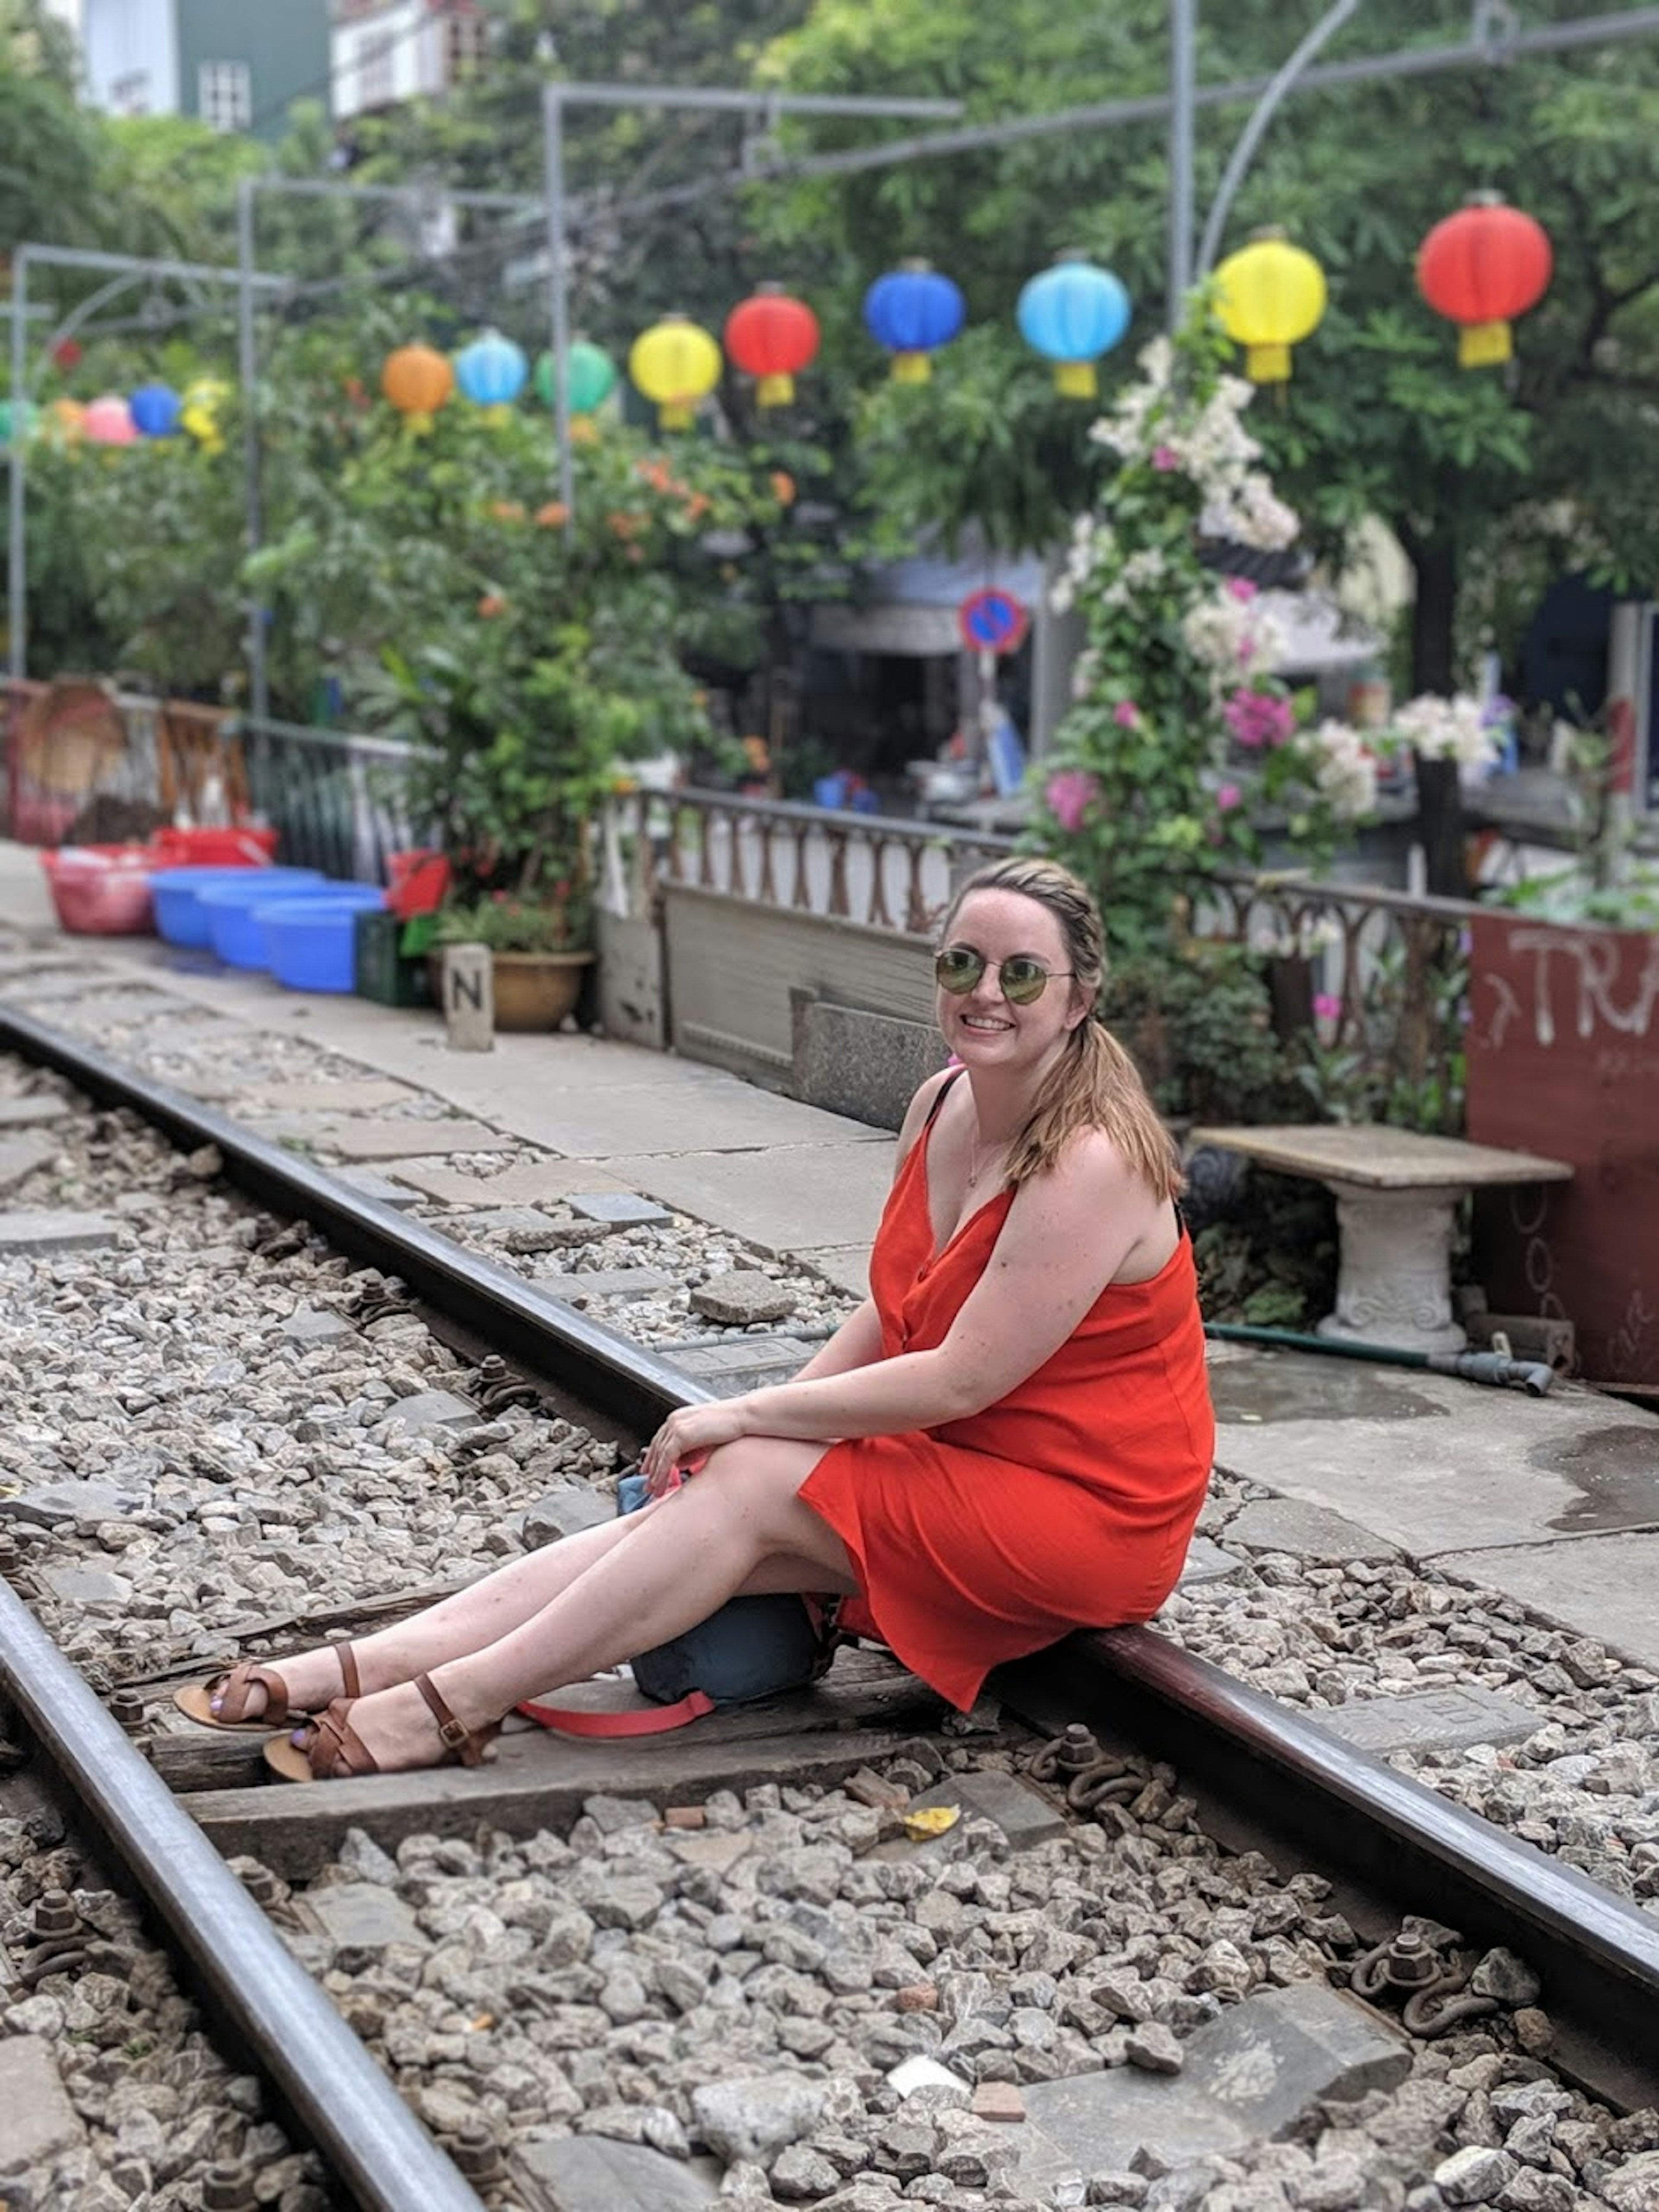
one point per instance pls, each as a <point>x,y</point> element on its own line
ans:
<point>568,1720</point>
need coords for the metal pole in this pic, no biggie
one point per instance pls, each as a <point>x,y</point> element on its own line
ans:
<point>553,158</point>
<point>1183,92</point>
<point>16,557</point>
<point>1251,136</point>
<point>248,371</point>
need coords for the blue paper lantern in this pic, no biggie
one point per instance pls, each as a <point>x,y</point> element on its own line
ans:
<point>492,370</point>
<point>1072,315</point>
<point>156,410</point>
<point>913,311</point>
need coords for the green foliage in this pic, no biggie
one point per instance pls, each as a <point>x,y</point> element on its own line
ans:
<point>1397,1057</point>
<point>1197,1016</point>
<point>560,919</point>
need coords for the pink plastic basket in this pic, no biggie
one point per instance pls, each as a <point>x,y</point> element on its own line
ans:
<point>101,890</point>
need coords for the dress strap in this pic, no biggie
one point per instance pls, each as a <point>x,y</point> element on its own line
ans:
<point>939,1097</point>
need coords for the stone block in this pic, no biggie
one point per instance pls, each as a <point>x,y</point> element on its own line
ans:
<point>565,1510</point>
<point>383,1192</point>
<point>1104,2122</point>
<point>32,1113</point>
<point>467,996</point>
<point>866,1066</point>
<point>362,1915</point>
<point>413,1139</point>
<point>1024,1816</point>
<point>591,2174</point>
<point>1208,1563</point>
<point>55,1502</point>
<point>741,1297</point>
<point>526,1183</point>
<point>606,1283</point>
<point>744,1364</point>
<point>1462,1713</point>
<point>40,2121</point>
<point>56,1230</point>
<point>430,1411</point>
<point>618,1209</point>
<point>92,1588</point>
<point>527,1223</point>
<point>1313,1532</point>
<point>1268,2059</point>
<point>371,1096</point>
<point>308,1326</point>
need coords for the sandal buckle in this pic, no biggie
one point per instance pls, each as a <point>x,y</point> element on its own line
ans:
<point>454,1734</point>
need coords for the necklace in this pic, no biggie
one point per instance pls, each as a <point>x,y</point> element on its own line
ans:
<point>976,1166</point>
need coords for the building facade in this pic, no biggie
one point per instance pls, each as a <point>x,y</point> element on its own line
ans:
<point>386,52</point>
<point>236,64</point>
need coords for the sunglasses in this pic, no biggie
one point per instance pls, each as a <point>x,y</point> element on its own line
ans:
<point>1022,979</point>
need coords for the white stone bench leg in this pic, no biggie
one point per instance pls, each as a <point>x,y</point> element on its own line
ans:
<point>1393,1284</point>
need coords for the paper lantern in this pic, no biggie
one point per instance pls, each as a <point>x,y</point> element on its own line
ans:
<point>491,371</point>
<point>1480,267</point>
<point>913,311</point>
<point>1270,295</point>
<point>156,409</point>
<point>772,337</point>
<point>1072,315</point>
<point>677,363</point>
<point>417,380</point>
<point>590,378</point>
<point>22,413</point>
<point>202,402</point>
<point>66,421</point>
<point>109,422</point>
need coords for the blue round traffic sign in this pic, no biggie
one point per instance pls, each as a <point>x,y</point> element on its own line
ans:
<point>991,621</point>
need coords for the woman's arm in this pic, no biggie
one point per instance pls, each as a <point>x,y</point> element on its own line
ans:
<point>1067,1234</point>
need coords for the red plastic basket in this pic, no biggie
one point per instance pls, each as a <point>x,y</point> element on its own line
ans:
<point>420,880</point>
<point>214,849</point>
<point>101,890</point>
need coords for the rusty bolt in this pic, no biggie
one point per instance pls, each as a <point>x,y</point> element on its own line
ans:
<point>227,2188</point>
<point>261,1885</point>
<point>127,1708</point>
<point>1076,1749</point>
<point>55,1914</point>
<point>477,2154</point>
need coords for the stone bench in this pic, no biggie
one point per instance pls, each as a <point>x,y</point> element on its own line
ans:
<point>1395,1193</point>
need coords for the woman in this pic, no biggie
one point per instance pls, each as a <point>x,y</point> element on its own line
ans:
<point>1010,1439</point>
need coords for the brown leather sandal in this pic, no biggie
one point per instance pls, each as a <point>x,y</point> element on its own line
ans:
<point>195,1699</point>
<point>334,1752</point>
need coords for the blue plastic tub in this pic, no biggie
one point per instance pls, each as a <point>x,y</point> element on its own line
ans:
<point>228,907</point>
<point>178,917</point>
<point>311,944</point>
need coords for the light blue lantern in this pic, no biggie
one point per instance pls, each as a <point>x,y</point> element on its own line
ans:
<point>1072,315</point>
<point>492,370</point>
<point>155,411</point>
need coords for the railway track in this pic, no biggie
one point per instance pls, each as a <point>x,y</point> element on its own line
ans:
<point>1259,1776</point>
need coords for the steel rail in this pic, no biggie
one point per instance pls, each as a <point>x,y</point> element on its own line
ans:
<point>339,2100</point>
<point>1284,1778</point>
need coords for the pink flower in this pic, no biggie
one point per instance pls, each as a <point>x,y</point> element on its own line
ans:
<point>1165,458</point>
<point>1240,588</point>
<point>1228,796</point>
<point>1070,795</point>
<point>1259,718</point>
<point>1126,714</point>
<point>1327,1008</point>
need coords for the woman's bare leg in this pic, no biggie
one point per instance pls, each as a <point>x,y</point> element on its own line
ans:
<point>734,1526</point>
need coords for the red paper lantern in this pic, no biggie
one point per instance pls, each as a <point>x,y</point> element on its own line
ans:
<point>772,337</point>
<point>1480,267</point>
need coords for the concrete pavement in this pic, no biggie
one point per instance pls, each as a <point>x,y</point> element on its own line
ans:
<point>1552,1501</point>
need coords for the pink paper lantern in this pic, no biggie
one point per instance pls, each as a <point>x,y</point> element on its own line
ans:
<point>109,422</point>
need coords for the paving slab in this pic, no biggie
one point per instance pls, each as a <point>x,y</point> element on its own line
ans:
<point>619,1209</point>
<point>1021,1810</point>
<point>803,1199</point>
<point>309,1326</point>
<point>526,1183</point>
<point>591,2174</point>
<point>747,1363</point>
<point>366,1096</point>
<point>21,1157</point>
<point>57,1504</point>
<point>1602,1586</point>
<point>606,1283</point>
<point>45,1230</point>
<point>93,1589</point>
<point>615,1124</point>
<point>847,1266</point>
<point>1438,1720</point>
<point>430,1411</point>
<point>364,1917</point>
<point>1433,1464</point>
<point>40,2121</point>
<point>367,1184</point>
<point>1291,1524</point>
<point>1208,1563</point>
<point>34,1111</point>
<point>416,1139</point>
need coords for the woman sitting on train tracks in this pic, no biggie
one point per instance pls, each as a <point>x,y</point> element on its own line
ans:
<point>1010,1439</point>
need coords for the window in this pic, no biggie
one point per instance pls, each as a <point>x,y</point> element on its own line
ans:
<point>375,85</point>
<point>130,95</point>
<point>467,43</point>
<point>224,95</point>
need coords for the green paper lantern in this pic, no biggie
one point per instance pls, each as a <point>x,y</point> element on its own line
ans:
<point>28,415</point>
<point>590,376</point>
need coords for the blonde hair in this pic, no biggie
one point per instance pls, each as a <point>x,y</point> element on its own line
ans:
<point>1095,1084</point>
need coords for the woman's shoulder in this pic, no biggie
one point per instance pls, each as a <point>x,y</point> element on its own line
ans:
<point>921,1110</point>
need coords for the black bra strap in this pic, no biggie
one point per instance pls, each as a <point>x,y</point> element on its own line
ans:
<point>939,1097</point>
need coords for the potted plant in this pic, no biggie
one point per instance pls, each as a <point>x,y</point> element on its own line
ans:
<point>538,949</point>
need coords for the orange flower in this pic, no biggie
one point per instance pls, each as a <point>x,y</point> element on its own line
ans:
<point>624,526</point>
<point>783,487</point>
<point>655,473</point>
<point>491,604</point>
<point>584,431</point>
<point>507,510</point>
<point>553,515</point>
<point>697,506</point>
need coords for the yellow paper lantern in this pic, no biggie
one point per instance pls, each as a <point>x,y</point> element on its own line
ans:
<point>66,421</point>
<point>200,413</point>
<point>418,380</point>
<point>678,364</point>
<point>1270,295</point>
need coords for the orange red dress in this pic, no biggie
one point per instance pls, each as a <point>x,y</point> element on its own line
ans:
<point>1068,1503</point>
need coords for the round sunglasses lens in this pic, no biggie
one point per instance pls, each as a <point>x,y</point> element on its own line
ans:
<point>957,972</point>
<point>1022,981</point>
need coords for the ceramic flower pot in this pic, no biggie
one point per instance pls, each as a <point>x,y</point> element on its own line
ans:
<point>533,991</point>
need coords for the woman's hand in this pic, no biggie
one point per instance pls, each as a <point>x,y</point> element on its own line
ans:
<point>693,1430</point>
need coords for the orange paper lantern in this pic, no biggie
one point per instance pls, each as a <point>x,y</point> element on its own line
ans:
<point>417,380</point>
